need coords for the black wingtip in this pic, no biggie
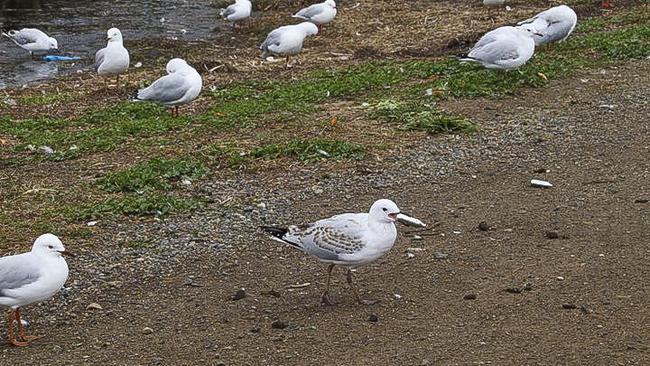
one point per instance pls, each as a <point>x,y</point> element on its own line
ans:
<point>278,232</point>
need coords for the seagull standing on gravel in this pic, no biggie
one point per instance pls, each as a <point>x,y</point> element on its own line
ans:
<point>287,40</point>
<point>321,13</point>
<point>505,48</point>
<point>240,10</point>
<point>181,86</point>
<point>553,25</point>
<point>30,278</point>
<point>349,240</point>
<point>32,40</point>
<point>114,58</point>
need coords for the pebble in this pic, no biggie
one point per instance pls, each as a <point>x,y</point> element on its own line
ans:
<point>147,330</point>
<point>240,294</point>
<point>469,297</point>
<point>514,290</point>
<point>278,324</point>
<point>94,306</point>
<point>552,234</point>
<point>483,226</point>
<point>569,306</point>
<point>560,278</point>
<point>417,237</point>
<point>373,318</point>
<point>440,255</point>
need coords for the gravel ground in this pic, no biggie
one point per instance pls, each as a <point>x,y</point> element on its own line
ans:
<point>559,277</point>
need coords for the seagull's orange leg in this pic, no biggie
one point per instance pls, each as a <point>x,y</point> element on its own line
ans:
<point>21,331</point>
<point>356,291</point>
<point>325,298</point>
<point>10,331</point>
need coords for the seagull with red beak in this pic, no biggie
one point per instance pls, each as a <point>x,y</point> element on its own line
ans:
<point>31,278</point>
<point>348,240</point>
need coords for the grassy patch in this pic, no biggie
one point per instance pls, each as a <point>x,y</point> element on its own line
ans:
<point>307,149</point>
<point>137,205</point>
<point>153,174</point>
<point>419,117</point>
<point>45,99</point>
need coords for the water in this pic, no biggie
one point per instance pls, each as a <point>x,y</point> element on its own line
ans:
<point>80,27</point>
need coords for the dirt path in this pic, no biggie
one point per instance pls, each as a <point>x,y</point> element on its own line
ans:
<point>180,282</point>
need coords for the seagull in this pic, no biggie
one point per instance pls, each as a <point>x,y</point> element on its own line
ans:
<point>287,40</point>
<point>181,86</point>
<point>321,13</point>
<point>505,48</point>
<point>30,278</point>
<point>114,58</point>
<point>32,40</point>
<point>554,24</point>
<point>349,240</point>
<point>240,10</point>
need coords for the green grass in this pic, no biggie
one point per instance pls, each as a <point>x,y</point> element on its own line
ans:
<point>304,149</point>
<point>137,205</point>
<point>150,175</point>
<point>419,117</point>
<point>45,99</point>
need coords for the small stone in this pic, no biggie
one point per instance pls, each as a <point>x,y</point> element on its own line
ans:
<point>483,226</point>
<point>317,190</point>
<point>569,306</point>
<point>417,237</point>
<point>641,200</point>
<point>94,306</point>
<point>147,330</point>
<point>552,234</point>
<point>261,206</point>
<point>248,209</point>
<point>278,324</point>
<point>560,278</point>
<point>91,223</point>
<point>272,293</point>
<point>240,294</point>
<point>469,297</point>
<point>410,255</point>
<point>514,290</point>
<point>373,318</point>
<point>440,255</point>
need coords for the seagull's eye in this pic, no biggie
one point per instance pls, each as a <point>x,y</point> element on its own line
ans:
<point>51,247</point>
<point>385,209</point>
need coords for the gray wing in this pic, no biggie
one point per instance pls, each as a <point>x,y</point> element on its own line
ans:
<point>272,39</point>
<point>25,36</point>
<point>167,89</point>
<point>557,31</point>
<point>329,238</point>
<point>496,51</point>
<point>309,12</point>
<point>16,272</point>
<point>99,58</point>
<point>229,11</point>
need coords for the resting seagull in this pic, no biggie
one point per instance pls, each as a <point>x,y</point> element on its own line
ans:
<point>30,278</point>
<point>287,40</point>
<point>321,13</point>
<point>240,10</point>
<point>349,240</point>
<point>32,40</point>
<point>505,48</point>
<point>553,25</point>
<point>181,86</point>
<point>114,58</point>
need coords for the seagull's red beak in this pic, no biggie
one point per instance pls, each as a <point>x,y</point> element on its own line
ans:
<point>393,216</point>
<point>66,253</point>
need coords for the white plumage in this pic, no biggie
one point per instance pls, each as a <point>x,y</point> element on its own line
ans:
<point>32,39</point>
<point>287,40</point>
<point>505,48</point>
<point>30,278</point>
<point>321,13</point>
<point>552,25</point>
<point>114,58</point>
<point>240,10</point>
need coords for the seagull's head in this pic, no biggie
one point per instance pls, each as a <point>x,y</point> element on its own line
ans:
<point>114,35</point>
<point>175,64</point>
<point>310,29</point>
<point>384,211</point>
<point>531,30</point>
<point>54,44</point>
<point>49,244</point>
<point>330,3</point>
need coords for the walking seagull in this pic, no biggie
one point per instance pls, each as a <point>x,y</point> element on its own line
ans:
<point>349,240</point>
<point>30,278</point>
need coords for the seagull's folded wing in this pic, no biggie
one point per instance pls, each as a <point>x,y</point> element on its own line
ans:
<point>16,272</point>
<point>167,89</point>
